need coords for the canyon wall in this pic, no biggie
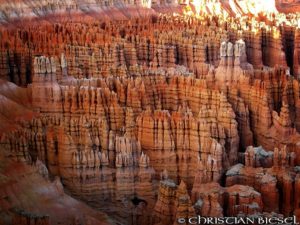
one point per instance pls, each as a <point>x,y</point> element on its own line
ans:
<point>158,118</point>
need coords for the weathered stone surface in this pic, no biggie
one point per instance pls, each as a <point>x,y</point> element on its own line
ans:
<point>209,199</point>
<point>243,200</point>
<point>29,198</point>
<point>144,118</point>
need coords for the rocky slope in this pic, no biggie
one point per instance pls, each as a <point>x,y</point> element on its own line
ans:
<point>156,118</point>
<point>28,197</point>
<point>18,10</point>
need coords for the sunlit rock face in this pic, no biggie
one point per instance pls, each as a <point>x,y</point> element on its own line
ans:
<point>149,112</point>
<point>16,9</point>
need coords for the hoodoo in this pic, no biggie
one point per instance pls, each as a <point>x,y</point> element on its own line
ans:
<point>149,112</point>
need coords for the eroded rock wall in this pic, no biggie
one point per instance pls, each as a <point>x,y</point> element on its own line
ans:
<point>153,119</point>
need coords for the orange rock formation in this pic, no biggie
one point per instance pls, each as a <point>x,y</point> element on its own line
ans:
<point>154,118</point>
